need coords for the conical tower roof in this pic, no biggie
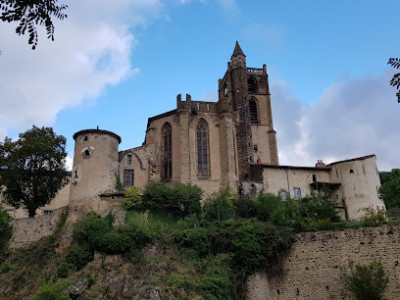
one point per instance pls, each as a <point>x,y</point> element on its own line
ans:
<point>237,50</point>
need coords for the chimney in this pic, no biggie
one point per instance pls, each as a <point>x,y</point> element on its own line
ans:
<point>320,164</point>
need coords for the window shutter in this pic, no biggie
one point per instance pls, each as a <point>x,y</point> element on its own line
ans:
<point>303,193</point>
<point>291,191</point>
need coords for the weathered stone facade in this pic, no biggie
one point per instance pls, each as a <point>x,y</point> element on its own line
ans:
<point>312,270</point>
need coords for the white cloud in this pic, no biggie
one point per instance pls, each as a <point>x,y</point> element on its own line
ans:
<point>352,118</point>
<point>69,163</point>
<point>91,50</point>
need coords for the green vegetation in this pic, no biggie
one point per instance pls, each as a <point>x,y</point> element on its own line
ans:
<point>365,282</point>
<point>132,199</point>
<point>40,260</point>
<point>30,14</point>
<point>118,184</point>
<point>260,246</point>
<point>77,257</point>
<point>389,191</point>
<point>184,250</point>
<point>179,200</point>
<point>219,207</point>
<point>5,232</point>
<point>302,215</point>
<point>32,169</point>
<point>50,291</point>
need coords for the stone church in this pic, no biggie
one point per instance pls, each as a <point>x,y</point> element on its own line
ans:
<point>214,145</point>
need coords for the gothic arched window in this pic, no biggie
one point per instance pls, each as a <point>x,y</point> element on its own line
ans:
<point>253,110</point>
<point>252,85</point>
<point>166,172</point>
<point>203,154</point>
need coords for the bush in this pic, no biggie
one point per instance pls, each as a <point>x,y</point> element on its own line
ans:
<point>244,207</point>
<point>132,199</point>
<point>216,282</point>
<point>374,219</point>
<point>188,197</point>
<point>51,291</point>
<point>196,239</point>
<point>118,184</point>
<point>221,235</point>
<point>64,269</point>
<point>181,282</point>
<point>299,214</point>
<point>89,229</point>
<point>365,282</point>
<point>219,207</point>
<point>180,200</point>
<point>258,245</point>
<point>156,196</point>
<point>79,257</point>
<point>5,266</point>
<point>317,208</point>
<point>269,207</point>
<point>5,232</point>
<point>114,243</point>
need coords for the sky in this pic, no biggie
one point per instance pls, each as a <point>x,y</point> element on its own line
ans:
<point>115,64</point>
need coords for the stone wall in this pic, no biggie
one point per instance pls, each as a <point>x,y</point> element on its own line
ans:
<point>312,271</point>
<point>29,230</point>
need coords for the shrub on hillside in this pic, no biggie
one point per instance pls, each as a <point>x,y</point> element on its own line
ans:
<point>51,291</point>
<point>318,208</point>
<point>260,245</point>
<point>216,282</point>
<point>5,232</point>
<point>219,207</point>
<point>188,198</point>
<point>114,243</point>
<point>79,257</point>
<point>244,207</point>
<point>90,228</point>
<point>180,199</point>
<point>269,207</point>
<point>365,282</point>
<point>299,214</point>
<point>222,235</point>
<point>5,266</point>
<point>64,269</point>
<point>133,199</point>
<point>196,239</point>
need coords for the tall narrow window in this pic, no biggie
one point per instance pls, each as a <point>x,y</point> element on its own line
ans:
<point>128,177</point>
<point>129,159</point>
<point>203,168</point>
<point>167,152</point>
<point>252,85</point>
<point>253,110</point>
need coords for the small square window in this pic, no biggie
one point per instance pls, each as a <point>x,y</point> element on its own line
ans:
<point>255,147</point>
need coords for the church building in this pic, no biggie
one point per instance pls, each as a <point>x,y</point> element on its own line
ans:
<point>215,145</point>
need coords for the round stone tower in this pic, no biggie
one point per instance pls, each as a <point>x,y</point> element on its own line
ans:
<point>94,169</point>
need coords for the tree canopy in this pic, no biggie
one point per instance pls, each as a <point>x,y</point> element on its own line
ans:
<point>31,13</point>
<point>32,169</point>
<point>395,81</point>
<point>389,191</point>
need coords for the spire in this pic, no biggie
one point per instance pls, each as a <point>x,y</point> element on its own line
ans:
<point>238,50</point>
